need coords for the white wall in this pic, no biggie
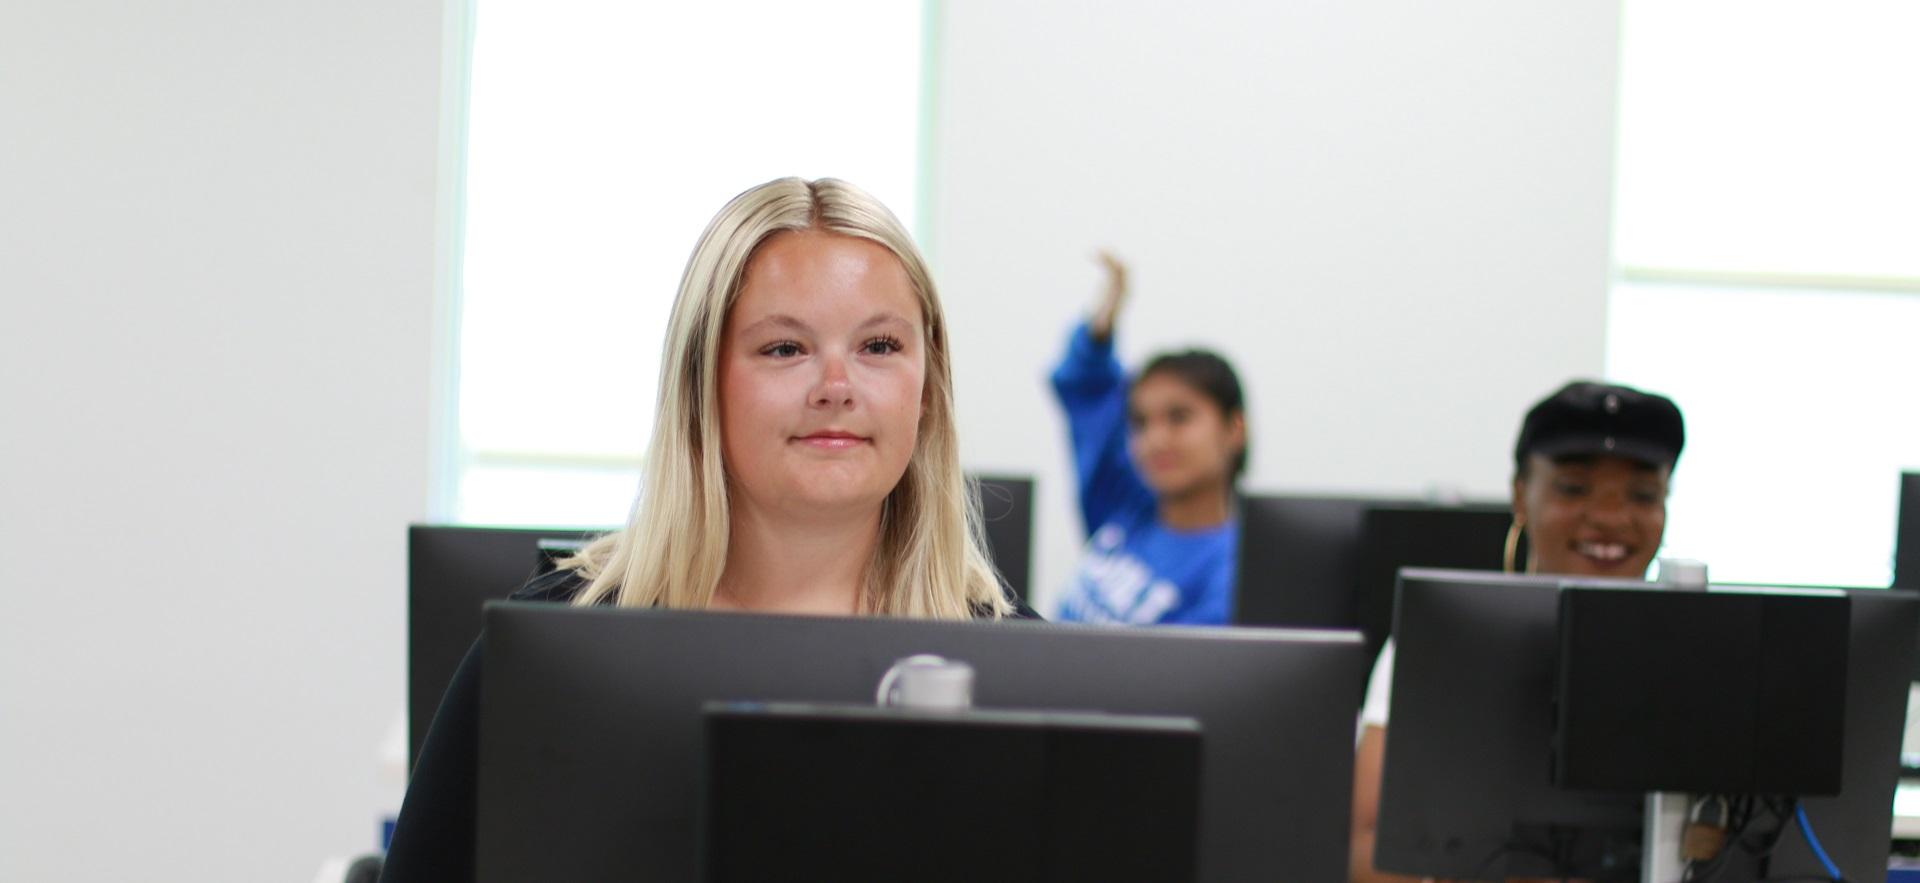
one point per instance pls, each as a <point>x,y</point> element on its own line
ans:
<point>1391,215</point>
<point>216,277</point>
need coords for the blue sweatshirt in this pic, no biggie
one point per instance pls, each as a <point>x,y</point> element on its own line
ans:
<point>1134,569</point>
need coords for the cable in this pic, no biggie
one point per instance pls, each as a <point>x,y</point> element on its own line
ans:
<point>1819,852</point>
<point>1561,852</point>
<point>1782,811</point>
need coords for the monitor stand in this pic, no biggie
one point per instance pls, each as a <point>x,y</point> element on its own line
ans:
<point>1666,824</point>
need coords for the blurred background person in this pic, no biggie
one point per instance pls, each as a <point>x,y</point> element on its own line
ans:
<point>1156,458</point>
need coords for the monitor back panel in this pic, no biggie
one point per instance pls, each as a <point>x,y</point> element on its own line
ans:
<point>1451,811</point>
<point>1906,548</point>
<point>1006,512</point>
<point>591,723</point>
<point>1702,692</point>
<point>1466,537</point>
<point>451,573</point>
<point>812,792</point>
<point>1297,557</point>
<point>1469,747</point>
<point>1856,825</point>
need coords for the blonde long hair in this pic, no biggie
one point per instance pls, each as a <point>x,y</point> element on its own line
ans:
<point>928,561</point>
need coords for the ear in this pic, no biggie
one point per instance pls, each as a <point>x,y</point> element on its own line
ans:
<point>1519,500</point>
<point>1237,430</point>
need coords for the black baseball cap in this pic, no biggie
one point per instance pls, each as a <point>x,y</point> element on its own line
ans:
<point>1585,418</point>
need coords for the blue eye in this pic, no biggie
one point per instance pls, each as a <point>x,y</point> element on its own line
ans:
<point>881,346</point>
<point>785,349</point>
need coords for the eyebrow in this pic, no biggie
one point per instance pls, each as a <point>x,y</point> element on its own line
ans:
<point>782,320</point>
<point>885,319</point>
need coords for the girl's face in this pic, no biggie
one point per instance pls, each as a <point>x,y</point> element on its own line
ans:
<point>1181,440</point>
<point>822,367</point>
<point>1592,516</point>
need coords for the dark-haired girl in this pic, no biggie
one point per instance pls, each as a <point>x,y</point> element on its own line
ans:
<point>1156,459</point>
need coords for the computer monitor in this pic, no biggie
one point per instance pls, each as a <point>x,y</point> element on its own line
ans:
<point>1469,745</point>
<point>1856,825</point>
<point>1719,692</point>
<point>1470,536</point>
<point>1906,542</point>
<point>451,573</point>
<point>590,723</point>
<point>1329,562</point>
<point>804,791</point>
<point>1006,511</point>
<point>1906,552</point>
<point>1297,557</point>
<point>1466,788</point>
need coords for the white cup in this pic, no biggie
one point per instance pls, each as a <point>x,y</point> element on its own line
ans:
<point>1684,573</point>
<point>927,682</point>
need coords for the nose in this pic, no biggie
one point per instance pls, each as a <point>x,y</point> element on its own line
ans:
<point>833,388</point>
<point>1610,510</point>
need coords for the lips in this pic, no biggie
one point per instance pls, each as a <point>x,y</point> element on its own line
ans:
<point>1161,462</point>
<point>831,440</point>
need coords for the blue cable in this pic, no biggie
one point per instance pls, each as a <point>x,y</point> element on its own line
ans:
<point>1806,829</point>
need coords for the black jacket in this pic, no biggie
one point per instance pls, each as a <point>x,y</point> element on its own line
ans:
<point>433,840</point>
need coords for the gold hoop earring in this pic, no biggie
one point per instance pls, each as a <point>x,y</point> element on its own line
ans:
<point>1513,546</point>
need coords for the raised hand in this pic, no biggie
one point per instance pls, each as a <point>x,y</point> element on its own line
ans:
<point>1112,297</point>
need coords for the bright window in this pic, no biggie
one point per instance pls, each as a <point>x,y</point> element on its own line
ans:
<point>1800,416</point>
<point>1767,248</point>
<point>602,137</point>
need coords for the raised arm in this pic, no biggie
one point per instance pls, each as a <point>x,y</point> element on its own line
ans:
<point>1092,389</point>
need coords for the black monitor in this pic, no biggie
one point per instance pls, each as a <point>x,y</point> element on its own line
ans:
<point>1470,536</point>
<point>797,791</point>
<point>1906,545</point>
<point>1006,511</point>
<point>1467,789</point>
<point>1297,557</point>
<point>1469,745</point>
<point>591,723</point>
<point>1856,825</point>
<point>1329,562</point>
<point>1718,692</point>
<point>451,573</point>
<point>1906,542</point>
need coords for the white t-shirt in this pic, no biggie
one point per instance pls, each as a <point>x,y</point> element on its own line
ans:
<point>1379,690</point>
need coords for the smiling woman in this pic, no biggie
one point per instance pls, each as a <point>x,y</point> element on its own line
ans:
<point>1591,470</point>
<point>805,417</point>
<point>821,373</point>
